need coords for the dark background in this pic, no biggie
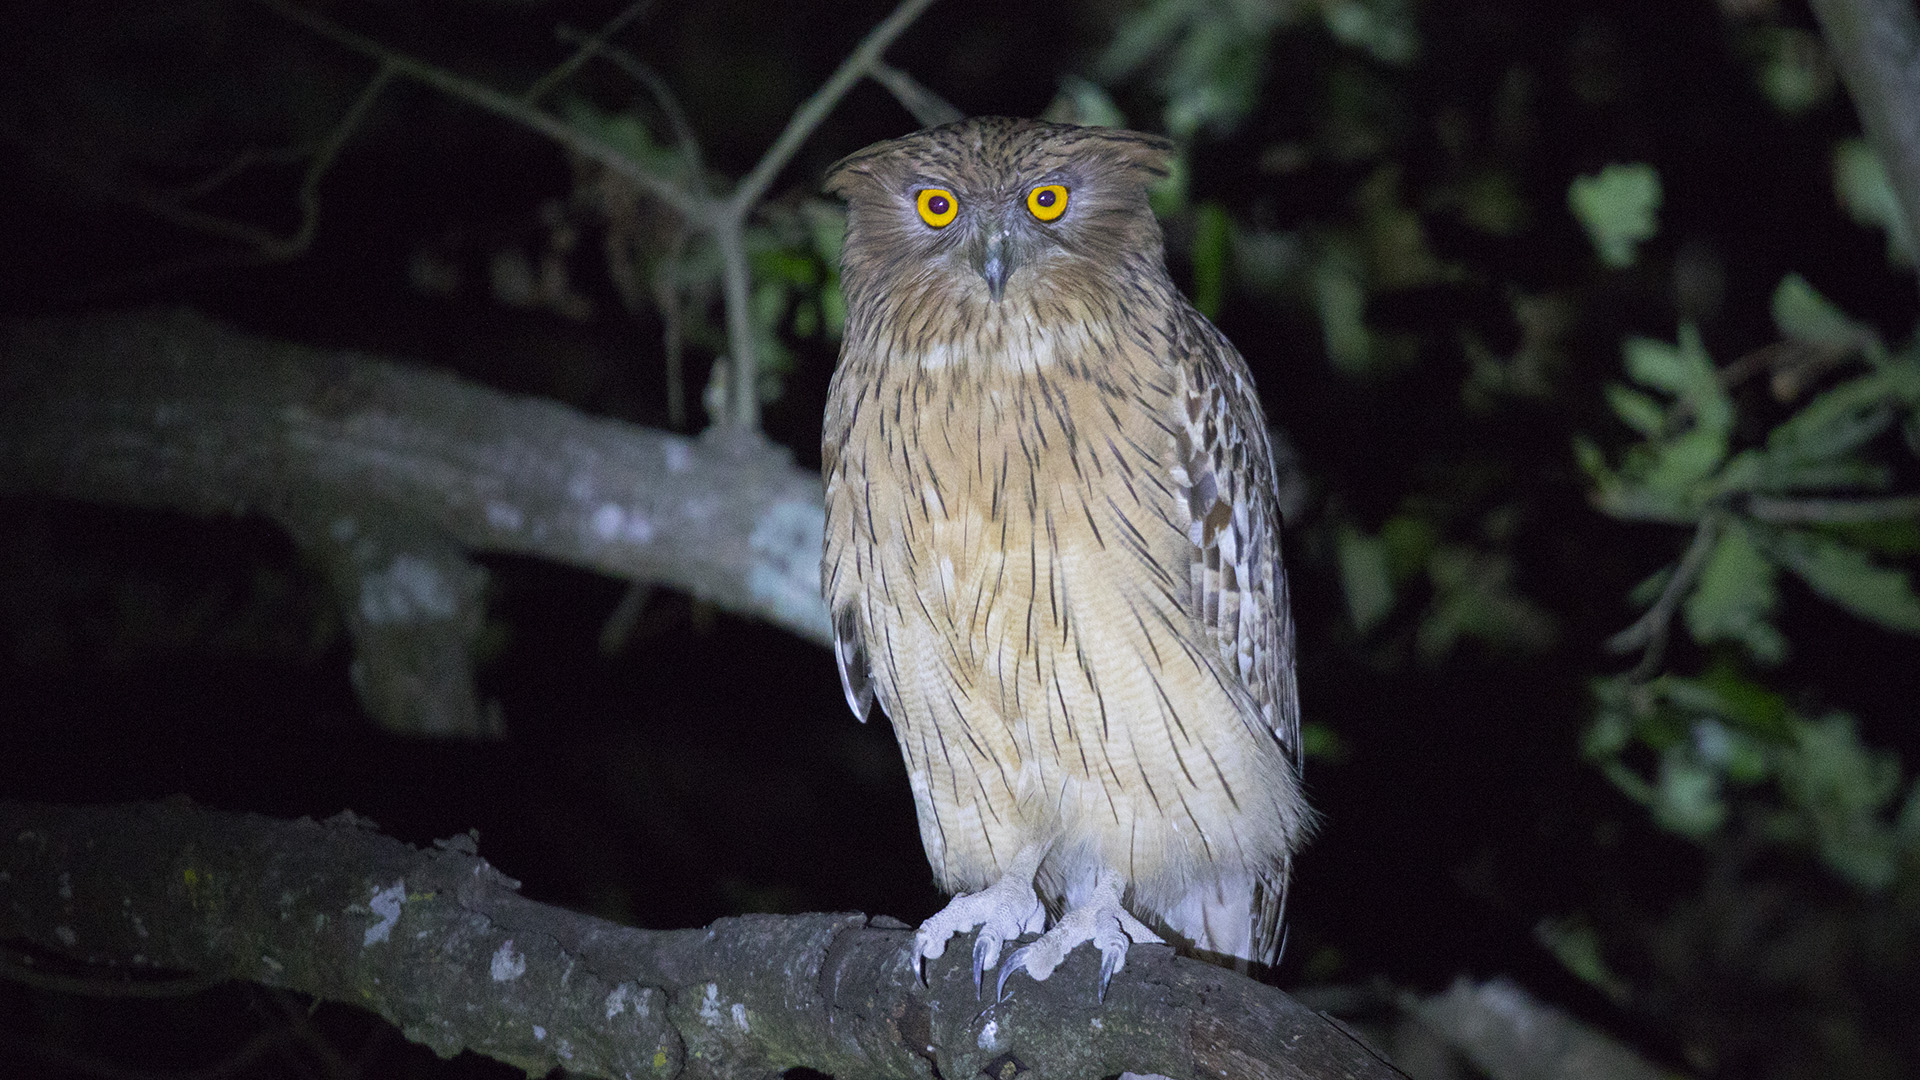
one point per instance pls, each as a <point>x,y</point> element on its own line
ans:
<point>711,768</point>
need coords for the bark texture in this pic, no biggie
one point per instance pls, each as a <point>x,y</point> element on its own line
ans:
<point>439,943</point>
<point>388,475</point>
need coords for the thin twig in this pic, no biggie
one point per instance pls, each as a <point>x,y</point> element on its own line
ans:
<point>649,78</point>
<point>1650,630</point>
<point>729,230</point>
<point>565,69</point>
<point>666,299</point>
<point>1776,511</point>
<point>262,246</point>
<point>689,204</point>
<point>736,289</point>
<point>214,181</point>
<point>726,220</point>
<point>323,159</point>
<point>928,108</point>
<point>815,109</point>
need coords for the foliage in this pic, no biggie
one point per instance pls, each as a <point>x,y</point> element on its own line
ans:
<point>1617,208</point>
<point>1531,288</point>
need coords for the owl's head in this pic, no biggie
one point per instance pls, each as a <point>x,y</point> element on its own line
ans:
<point>994,207</point>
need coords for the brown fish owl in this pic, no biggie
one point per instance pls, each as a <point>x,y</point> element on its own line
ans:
<point>1052,551</point>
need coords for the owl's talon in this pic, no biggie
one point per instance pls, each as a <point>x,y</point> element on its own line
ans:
<point>1014,963</point>
<point>986,952</point>
<point>1002,911</point>
<point>1110,964</point>
<point>1101,920</point>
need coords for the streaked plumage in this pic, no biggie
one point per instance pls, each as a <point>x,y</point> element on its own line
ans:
<point>1052,550</point>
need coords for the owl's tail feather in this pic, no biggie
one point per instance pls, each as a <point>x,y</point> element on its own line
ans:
<point>1233,920</point>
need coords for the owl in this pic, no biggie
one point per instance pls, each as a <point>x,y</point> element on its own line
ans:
<point>1052,552</point>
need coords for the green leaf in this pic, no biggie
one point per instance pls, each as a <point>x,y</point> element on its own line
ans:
<point>1341,297</point>
<point>1474,597</point>
<point>1212,243</point>
<point>1593,461</point>
<point>827,228</point>
<point>1682,464</point>
<point>1734,598</point>
<point>1908,823</point>
<point>833,307</point>
<point>1687,796</point>
<point>1841,786</point>
<point>1795,73</point>
<point>1080,101</point>
<point>1842,418</point>
<point>1168,196</point>
<point>1637,410</point>
<point>1683,369</point>
<point>795,267</point>
<point>1755,708</point>
<point>1322,743</point>
<point>627,133</point>
<point>1411,540</point>
<point>1650,587</point>
<point>1733,753</point>
<point>1612,725</point>
<point>1577,946</point>
<point>1802,314</point>
<point>1846,576</point>
<point>1618,208</point>
<point>1364,578</point>
<point>1383,28</point>
<point>1860,180</point>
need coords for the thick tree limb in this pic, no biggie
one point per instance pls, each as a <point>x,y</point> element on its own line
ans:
<point>1876,44</point>
<point>387,471</point>
<point>441,944</point>
<point>1510,1035</point>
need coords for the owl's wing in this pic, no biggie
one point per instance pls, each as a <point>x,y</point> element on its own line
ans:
<point>1239,586</point>
<point>850,656</point>
<point>1240,595</point>
<point>849,644</point>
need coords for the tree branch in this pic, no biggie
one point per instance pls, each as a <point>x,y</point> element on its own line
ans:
<point>1776,510</point>
<point>587,48</point>
<point>730,226</point>
<point>858,65</point>
<point>726,219</point>
<point>388,471</point>
<point>442,945</point>
<point>688,204</point>
<point>1876,44</point>
<point>928,108</point>
<point>1650,630</point>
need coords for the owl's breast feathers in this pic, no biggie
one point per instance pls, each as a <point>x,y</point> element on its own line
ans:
<point>1052,552</point>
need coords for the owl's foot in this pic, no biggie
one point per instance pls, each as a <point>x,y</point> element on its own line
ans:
<point>1101,920</point>
<point>1003,911</point>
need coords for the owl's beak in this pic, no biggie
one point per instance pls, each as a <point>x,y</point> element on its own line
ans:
<point>997,262</point>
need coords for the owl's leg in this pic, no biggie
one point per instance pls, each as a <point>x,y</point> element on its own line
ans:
<point>1100,919</point>
<point>1003,911</point>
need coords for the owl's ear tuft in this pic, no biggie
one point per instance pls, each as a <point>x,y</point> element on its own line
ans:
<point>842,175</point>
<point>1151,154</point>
<point>846,175</point>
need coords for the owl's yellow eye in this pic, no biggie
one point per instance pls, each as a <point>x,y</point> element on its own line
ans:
<point>1047,202</point>
<point>937,206</point>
